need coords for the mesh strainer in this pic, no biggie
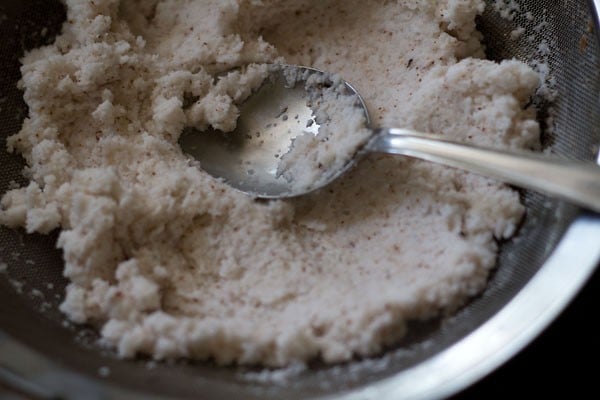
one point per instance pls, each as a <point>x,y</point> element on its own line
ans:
<point>539,272</point>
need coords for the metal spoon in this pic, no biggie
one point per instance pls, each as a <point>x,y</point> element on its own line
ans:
<point>275,114</point>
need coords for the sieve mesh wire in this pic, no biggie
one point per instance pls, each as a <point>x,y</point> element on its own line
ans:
<point>32,288</point>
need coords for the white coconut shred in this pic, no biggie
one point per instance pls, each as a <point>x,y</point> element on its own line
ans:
<point>332,138</point>
<point>169,262</point>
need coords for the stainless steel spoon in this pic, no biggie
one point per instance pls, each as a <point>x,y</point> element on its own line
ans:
<point>275,114</point>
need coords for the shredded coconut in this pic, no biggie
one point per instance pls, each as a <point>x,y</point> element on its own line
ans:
<point>167,261</point>
<point>341,129</point>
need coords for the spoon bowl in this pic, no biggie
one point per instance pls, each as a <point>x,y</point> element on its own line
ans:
<point>248,157</point>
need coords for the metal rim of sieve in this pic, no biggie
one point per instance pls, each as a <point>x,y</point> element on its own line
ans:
<point>539,302</point>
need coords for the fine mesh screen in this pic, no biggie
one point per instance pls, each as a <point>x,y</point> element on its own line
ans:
<point>32,287</point>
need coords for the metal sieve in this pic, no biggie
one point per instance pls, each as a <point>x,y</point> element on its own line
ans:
<point>539,272</point>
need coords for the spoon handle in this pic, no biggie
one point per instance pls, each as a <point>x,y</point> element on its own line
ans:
<point>575,181</point>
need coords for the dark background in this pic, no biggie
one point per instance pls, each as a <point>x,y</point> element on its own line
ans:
<point>564,361</point>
